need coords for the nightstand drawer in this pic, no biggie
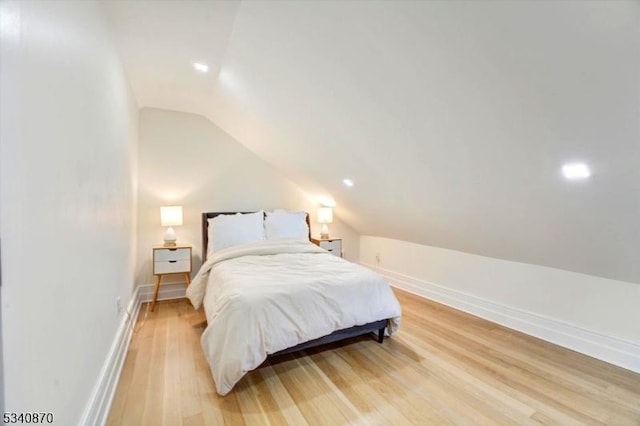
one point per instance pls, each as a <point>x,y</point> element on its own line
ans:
<point>172,266</point>
<point>166,254</point>
<point>334,246</point>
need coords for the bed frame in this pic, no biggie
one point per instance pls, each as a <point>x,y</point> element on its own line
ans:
<point>346,333</point>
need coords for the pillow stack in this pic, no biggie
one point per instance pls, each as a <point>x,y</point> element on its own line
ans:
<point>281,224</point>
<point>228,230</point>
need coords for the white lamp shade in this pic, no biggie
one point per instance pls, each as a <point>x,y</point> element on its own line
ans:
<point>325,215</point>
<point>171,216</point>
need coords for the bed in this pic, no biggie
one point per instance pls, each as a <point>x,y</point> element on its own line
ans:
<point>274,296</point>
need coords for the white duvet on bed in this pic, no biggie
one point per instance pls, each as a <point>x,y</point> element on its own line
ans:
<point>264,297</point>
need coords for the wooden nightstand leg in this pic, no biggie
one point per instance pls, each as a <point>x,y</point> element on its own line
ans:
<point>186,277</point>
<point>155,293</point>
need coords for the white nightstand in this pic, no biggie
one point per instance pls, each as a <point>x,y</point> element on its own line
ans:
<point>333,245</point>
<point>170,260</point>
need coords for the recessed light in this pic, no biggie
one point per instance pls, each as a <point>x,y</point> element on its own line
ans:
<point>200,67</point>
<point>576,171</point>
<point>348,182</point>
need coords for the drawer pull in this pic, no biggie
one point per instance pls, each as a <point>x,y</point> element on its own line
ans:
<point>172,261</point>
<point>329,249</point>
<point>173,249</point>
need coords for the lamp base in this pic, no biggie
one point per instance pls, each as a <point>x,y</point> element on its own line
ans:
<point>170,238</point>
<point>324,232</point>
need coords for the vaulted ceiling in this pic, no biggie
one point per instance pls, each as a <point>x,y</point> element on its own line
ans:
<point>452,118</point>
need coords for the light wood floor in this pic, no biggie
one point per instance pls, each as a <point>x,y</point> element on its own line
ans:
<point>443,367</point>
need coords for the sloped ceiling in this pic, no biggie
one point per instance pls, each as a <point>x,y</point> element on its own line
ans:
<point>452,118</point>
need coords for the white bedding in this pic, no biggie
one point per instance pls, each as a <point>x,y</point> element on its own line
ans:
<point>267,296</point>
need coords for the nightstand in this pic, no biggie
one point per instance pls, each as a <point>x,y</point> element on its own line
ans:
<point>170,260</point>
<point>332,245</point>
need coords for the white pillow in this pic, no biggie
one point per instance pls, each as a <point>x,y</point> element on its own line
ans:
<point>282,224</point>
<point>227,230</point>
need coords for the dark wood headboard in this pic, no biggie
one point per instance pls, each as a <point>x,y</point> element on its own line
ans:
<point>205,229</point>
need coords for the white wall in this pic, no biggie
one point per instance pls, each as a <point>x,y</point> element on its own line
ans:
<point>69,130</point>
<point>187,160</point>
<point>590,314</point>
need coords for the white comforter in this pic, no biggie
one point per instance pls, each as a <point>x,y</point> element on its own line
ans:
<point>264,297</point>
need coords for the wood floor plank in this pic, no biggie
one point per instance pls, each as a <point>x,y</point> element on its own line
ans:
<point>443,367</point>
<point>262,395</point>
<point>472,354</point>
<point>286,404</point>
<point>231,412</point>
<point>394,387</point>
<point>250,408</point>
<point>138,356</point>
<point>503,361</point>
<point>371,405</point>
<point>504,352</point>
<point>188,386</point>
<point>423,388</point>
<point>313,397</point>
<point>499,382</point>
<point>171,400</point>
<point>155,382</point>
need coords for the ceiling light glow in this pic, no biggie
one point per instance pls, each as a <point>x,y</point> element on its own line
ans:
<point>348,182</point>
<point>576,171</point>
<point>228,79</point>
<point>200,67</point>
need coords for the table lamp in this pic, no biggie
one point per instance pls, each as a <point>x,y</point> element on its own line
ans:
<point>325,215</point>
<point>170,216</point>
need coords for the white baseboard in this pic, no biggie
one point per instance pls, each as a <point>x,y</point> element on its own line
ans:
<point>99,404</point>
<point>166,292</point>
<point>612,350</point>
